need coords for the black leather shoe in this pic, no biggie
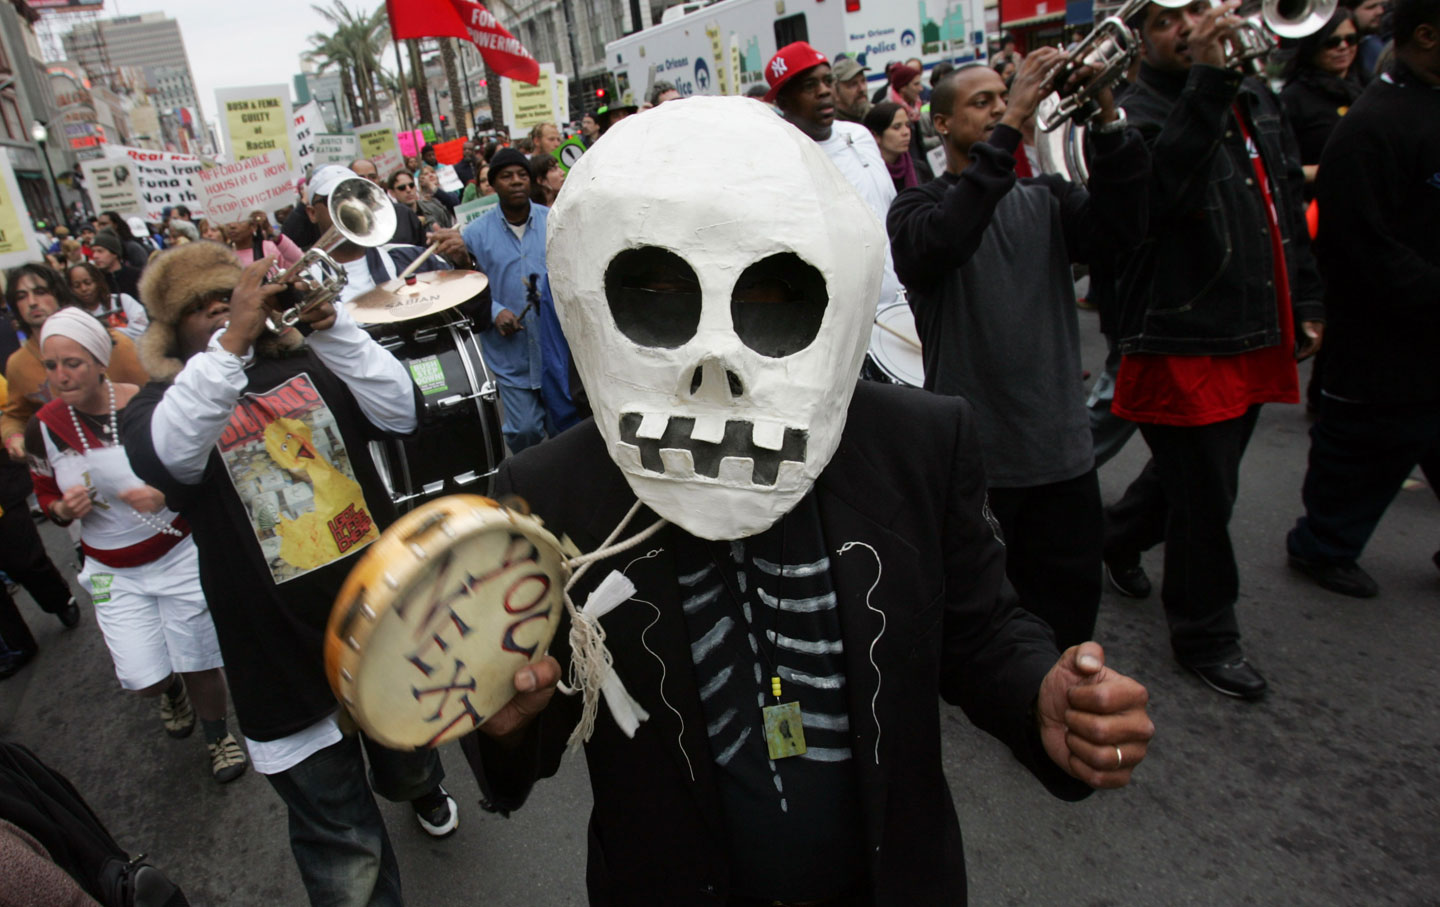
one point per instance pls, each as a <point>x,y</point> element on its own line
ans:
<point>70,614</point>
<point>12,662</point>
<point>1129,581</point>
<point>1236,679</point>
<point>1347,579</point>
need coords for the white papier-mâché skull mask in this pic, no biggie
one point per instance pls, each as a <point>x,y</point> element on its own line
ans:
<point>716,278</point>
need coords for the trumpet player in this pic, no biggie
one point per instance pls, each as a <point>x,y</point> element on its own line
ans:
<point>1212,311</point>
<point>985,257</point>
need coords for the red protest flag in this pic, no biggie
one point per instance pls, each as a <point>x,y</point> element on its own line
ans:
<point>424,19</point>
<point>501,50</point>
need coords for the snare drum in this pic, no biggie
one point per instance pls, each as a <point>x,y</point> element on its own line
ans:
<point>437,616</point>
<point>459,445</point>
<point>895,354</point>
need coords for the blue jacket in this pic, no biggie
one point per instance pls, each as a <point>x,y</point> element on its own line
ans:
<point>508,262</point>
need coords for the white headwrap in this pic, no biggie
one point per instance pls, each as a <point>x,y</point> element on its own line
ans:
<point>81,327</point>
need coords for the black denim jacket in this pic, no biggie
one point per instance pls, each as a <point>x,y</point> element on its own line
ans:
<point>1202,282</point>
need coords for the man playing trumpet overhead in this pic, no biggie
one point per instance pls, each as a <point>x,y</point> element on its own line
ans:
<point>985,258</point>
<point>261,442</point>
<point>1213,310</point>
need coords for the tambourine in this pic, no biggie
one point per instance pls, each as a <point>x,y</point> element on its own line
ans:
<point>431,625</point>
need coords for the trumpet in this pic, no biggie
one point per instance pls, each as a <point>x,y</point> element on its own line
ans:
<point>1110,48</point>
<point>360,213</point>
<point>1285,18</point>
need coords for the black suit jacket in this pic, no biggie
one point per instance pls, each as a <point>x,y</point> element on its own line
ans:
<point>941,621</point>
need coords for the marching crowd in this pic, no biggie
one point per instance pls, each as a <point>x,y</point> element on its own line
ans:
<point>1228,232</point>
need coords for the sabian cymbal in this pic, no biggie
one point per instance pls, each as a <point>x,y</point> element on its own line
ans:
<point>416,296</point>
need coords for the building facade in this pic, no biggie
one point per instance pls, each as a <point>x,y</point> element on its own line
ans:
<point>151,43</point>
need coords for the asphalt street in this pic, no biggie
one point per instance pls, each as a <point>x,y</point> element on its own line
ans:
<point>1323,793</point>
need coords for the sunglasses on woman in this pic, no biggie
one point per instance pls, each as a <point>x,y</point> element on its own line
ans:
<point>1334,41</point>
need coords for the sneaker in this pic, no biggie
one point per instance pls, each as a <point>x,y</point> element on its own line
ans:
<point>70,614</point>
<point>1130,581</point>
<point>227,759</point>
<point>437,813</point>
<point>1347,579</point>
<point>177,714</point>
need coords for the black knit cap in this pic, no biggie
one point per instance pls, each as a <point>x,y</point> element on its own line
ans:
<point>506,157</point>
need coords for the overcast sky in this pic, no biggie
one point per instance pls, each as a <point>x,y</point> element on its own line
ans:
<point>253,42</point>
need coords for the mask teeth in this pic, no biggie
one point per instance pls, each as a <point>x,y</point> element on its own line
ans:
<point>768,435</point>
<point>708,428</point>
<point>652,426</point>
<point>736,471</point>
<point>679,464</point>
<point>628,457</point>
<point>789,474</point>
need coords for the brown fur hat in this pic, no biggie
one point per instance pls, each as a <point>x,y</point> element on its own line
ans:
<point>173,280</point>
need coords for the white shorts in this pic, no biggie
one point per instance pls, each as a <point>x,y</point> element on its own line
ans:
<point>153,616</point>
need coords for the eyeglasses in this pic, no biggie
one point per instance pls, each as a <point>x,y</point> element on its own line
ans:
<point>1334,41</point>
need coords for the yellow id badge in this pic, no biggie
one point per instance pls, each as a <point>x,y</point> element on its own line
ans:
<point>784,730</point>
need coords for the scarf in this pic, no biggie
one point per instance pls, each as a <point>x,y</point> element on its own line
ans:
<point>902,171</point>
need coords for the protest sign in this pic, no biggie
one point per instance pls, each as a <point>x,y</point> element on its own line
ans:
<point>18,244</point>
<point>524,106</point>
<point>229,192</point>
<point>568,154</point>
<point>377,142</point>
<point>141,181</point>
<point>469,211</point>
<point>308,122</point>
<point>335,148</point>
<point>255,120</point>
<point>451,152</point>
<point>411,142</point>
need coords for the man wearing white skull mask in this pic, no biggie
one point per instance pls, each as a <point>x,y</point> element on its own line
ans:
<point>828,572</point>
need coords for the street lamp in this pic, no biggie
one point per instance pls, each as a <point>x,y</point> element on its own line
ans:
<point>40,134</point>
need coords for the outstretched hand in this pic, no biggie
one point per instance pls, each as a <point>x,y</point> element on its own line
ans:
<point>534,686</point>
<point>1093,721</point>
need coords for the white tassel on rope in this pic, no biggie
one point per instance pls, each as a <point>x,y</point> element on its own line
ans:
<point>592,669</point>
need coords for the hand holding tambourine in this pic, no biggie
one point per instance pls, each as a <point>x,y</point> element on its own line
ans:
<point>437,622</point>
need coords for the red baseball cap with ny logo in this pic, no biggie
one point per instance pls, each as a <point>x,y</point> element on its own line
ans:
<point>788,62</point>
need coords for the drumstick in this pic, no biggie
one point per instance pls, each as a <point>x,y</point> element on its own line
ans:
<point>885,327</point>
<point>415,265</point>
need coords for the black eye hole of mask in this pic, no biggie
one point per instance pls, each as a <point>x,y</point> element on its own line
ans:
<point>654,297</point>
<point>777,305</point>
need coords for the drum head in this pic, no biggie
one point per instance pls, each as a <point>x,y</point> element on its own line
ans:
<point>895,345</point>
<point>432,624</point>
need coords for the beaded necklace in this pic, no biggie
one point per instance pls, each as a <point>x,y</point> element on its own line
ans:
<point>147,519</point>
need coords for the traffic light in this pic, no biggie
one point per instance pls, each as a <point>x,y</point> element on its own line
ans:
<point>600,93</point>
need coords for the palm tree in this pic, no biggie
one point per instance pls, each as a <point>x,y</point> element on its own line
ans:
<point>419,82</point>
<point>458,111</point>
<point>329,52</point>
<point>363,38</point>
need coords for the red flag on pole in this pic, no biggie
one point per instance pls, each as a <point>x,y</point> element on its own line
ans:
<point>471,21</point>
<point>424,19</point>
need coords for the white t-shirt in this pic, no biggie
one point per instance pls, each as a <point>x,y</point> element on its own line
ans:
<point>852,148</point>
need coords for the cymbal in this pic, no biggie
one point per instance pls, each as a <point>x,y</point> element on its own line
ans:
<point>423,294</point>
